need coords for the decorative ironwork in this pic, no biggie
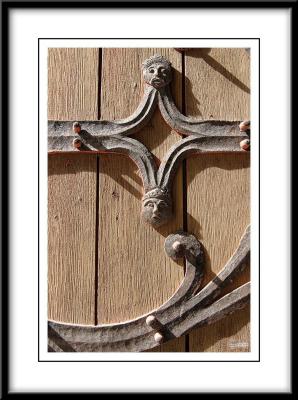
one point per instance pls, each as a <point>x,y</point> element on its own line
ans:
<point>185,309</point>
<point>112,136</point>
<point>181,313</point>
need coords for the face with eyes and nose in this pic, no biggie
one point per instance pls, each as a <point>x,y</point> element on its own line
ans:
<point>156,209</point>
<point>157,72</point>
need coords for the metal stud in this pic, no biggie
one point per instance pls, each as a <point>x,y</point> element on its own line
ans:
<point>245,144</point>
<point>244,126</point>
<point>77,143</point>
<point>158,338</point>
<point>153,322</point>
<point>76,127</point>
<point>177,246</point>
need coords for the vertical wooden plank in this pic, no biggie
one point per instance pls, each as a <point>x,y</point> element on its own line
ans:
<point>217,83</point>
<point>217,86</point>
<point>135,275</point>
<point>73,84</point>
<point>230,336</point>
<point>72,95</point>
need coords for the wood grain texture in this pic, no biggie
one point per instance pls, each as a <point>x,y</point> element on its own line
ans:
<point>73,94</point>
<point>218,199</point>
<point>135,274</point>
<point>73,84</point>
<point>217,84</point>
<point>230,334</point>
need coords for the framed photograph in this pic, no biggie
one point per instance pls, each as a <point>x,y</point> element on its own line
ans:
<point>141,192</point>
<point>129,314</point>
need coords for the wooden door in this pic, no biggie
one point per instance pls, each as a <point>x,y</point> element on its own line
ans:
<point>105,264</point>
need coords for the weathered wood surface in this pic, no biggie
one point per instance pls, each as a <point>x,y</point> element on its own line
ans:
<point>132,124</point>
<point>177,316</point>
<point>73,84</point>
<point>105,339</point>
<point>137,276</point>
<point>73,94</point>
<point>218,200</point>
<point>134,279</point>
<point>157,199</point>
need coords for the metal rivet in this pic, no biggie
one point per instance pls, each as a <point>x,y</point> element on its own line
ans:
<point>150,320</point>
<point>153,322</point>
<point>244,126</point>
<point>158,337</point>
<point>76,127</point>
<point>245,144</point>
<point>177,246</point>
<point>77,143</point>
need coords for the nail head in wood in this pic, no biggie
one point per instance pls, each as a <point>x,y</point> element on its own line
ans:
<point>76,127</point>
<point>177,246</point>
<point>150,320</point>
<point>244,126</point>
<point>158,338</point>
<point>153,322</point>
<point>77,143</point>
<point>245,144</point>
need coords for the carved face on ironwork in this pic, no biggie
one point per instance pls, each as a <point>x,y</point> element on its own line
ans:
<point>157,207</point>
<point>157,71</point>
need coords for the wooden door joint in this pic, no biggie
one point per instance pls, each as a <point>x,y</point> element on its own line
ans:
<point>187,308</point>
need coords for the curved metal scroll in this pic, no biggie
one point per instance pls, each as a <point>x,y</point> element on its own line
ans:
<point>177,316</point>
<point>185,309</point>
<point>192,145</point>
<point>157,74</point>
<point>189,125</point>
<point>157,181</point>
<point>126,126</point>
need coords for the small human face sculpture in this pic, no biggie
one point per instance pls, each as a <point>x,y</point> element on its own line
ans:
<point>156,208</point>
<point>157,72</point>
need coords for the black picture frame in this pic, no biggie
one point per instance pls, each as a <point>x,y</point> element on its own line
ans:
<point>6,8</point>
